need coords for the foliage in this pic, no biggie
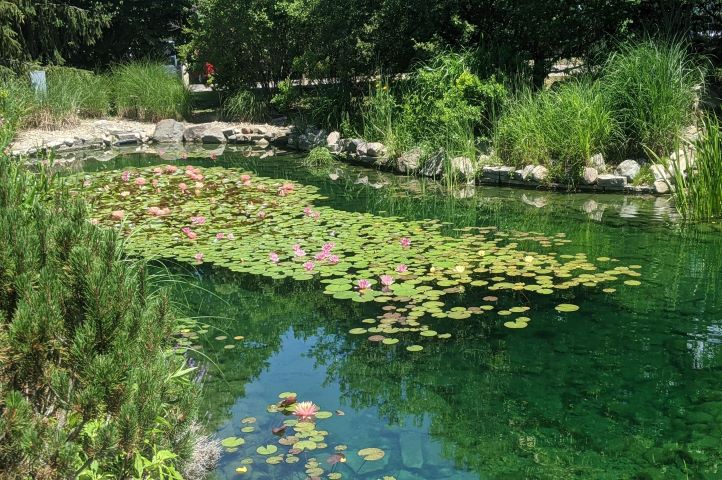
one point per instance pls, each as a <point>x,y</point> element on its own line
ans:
<point>698,190</point>
<point>16,101</point>
<point>148,91</point>
<point>319,157</point>
<point>244,106</point>
<point>560,128</point>
<point>650,87</point>
<point>47,31</point>
<point>87,381</point>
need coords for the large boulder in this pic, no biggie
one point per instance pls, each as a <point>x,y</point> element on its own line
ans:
<point>628,168</point>
<point>612,182</point>
<point>434,165</point>
<point>661,186</point>
<point>375,149</point>
<point>332,139</point>
<point>462,167</point>
<point>213,135</point>
<point>597,161</point>
<point>589,176</point>
<point>408,162</point>
<point>168,131</point>
<point>540,173</point>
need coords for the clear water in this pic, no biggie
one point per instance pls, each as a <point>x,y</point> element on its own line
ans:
<point>627,387</point>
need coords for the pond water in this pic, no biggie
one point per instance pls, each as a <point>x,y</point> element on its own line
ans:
<point>627,386</point>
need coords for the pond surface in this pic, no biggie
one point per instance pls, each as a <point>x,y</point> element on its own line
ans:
<point>628,386</point>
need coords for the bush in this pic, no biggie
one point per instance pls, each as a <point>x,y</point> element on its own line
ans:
<point>318,157</point>
<point>560,128</point>
<point>147,91</point>
<point>244,106</point>
<point>88,385</point>
<point>16,102</point>
<point>71,94</point>
<point>650,87</point>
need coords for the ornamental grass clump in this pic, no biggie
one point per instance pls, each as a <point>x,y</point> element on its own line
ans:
<point>560,128</point>
<point>651,89</point>
<point>244,106</point>
<point>89,386</point>
<point>149,92</point>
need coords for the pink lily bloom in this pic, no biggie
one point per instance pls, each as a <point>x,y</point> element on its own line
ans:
<point>402,268</point>
<point>333,259</point>
<point>199,257</point>
<point>386,280</point>
<point>125,176</point>
<point>309,266</point>
<point>183,187</point>
<point>405,242</point>
<point>220,236</point>
<point>198,220</point>
<point>273,257</point>
<point>363,284</point>
<point>140,181</point>
<point>305,410</point>
<point>189,233</point>
<point>171,169</point>
<point>117,214</point>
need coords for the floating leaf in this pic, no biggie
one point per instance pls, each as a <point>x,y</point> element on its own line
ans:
<point>267,449</point>
<point>232,442</point>
<point>566,307</point>
<point>371,454</point>
<point>414,348</point>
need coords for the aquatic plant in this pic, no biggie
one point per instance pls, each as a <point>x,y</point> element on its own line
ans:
<point>429,265</point>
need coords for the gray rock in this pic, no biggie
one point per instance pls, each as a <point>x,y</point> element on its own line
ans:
<point>332,139</point>
<point>597,161</point>
<point>540,173</point>
<point>490,174</point>
<point>375,149</point>
<point>433,166</point>
<point>194,133</point>
<point>660,172</point>
<point>125,139</point>
<point>262,142</point>
<point>612,182</point>
<point>352,144</point>
<point>362,149</point>
<point>589,176</point>
<point>69,142</point>
<point>229,131</point>
<point>661,186</point>
<point>462,167</point>
<point>411,449</point>
<point>628,168</point>
<point>213,135</point>
<point>54,144</point>
<point>168,131</point>
<point>408,162</point>
<point>505,172</point>
<point>526,172</point>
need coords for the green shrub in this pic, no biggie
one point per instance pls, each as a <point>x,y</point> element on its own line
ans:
<point>698,190</point>
<point>244,106</point>
<point>16,102</point>
<point>318,157</point>
<point>285,97</point>
<point>560,128</point>
<point>89,387</point>
<point>147,91</point>
<point>650,87</point>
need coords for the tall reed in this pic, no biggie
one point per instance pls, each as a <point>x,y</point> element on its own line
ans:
<point>148,91</point>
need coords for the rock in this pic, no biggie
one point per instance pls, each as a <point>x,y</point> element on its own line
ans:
<point>433,166</point>
<point>352,144</point>
<point>54,144</point>
<point>194,133</point>
<point>589,176</point>
<point>660,172</point>
<point>125,139</point>
<point>661,186</point>
<point>526,172</point>
<point>540,173</point>
<point>408,162</point>
<point>262,142</point>
<point>332,139</point>
<point>612,182</point>
<point>628,168</point>
<point>462,167</point>
<point>213,135</point>
<point>490,174</point>
<point>411,447</point>
<point>597,161</point>
<point>168,131</point>
<point>375,149</point>
<point>362,149</point>
<point>505,172</point>
<point>229,131</point>
<point>69,142</point>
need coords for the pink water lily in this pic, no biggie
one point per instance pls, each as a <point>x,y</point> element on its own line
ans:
<point>363,284</point>
<point>220,236</point>
<point>261,214</point>
<point>140,181</point>
<point>183,187</point>
<point>158,212</point>
<point>154,182</point>
<point>327,247</point>
<point>315,215</point>
<point>170,169</point>
<point>402,268</point>
<point>300,252</point>
<point>231,236</point>
<point>189,233</point>
<point>117,214</point>
<point>309,266</point>
<point>321,256</point>
<point>333,259</point>
<point>405,242</point>
<point>307,211</point>
<point>200,220</point>
<point>158,170</point>
<point>386,280</point>
<point>125,176</point>
<point>199,257</point>
<point>273,257</point>
<point>305,410</point>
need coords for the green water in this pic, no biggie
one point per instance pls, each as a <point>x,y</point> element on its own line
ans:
<point>626,387</point>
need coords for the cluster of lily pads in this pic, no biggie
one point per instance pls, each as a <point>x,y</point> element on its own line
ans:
<point>273,228</point>
<point>297,439</point>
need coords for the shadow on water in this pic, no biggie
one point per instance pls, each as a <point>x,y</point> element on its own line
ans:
<point>626,387</point>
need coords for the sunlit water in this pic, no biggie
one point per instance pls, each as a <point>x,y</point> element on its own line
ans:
<point>629,386</point>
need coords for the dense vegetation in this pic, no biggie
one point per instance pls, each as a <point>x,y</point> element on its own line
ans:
<point>89,386</point>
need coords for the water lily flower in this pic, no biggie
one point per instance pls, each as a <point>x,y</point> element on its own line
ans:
<point>117,214</point>
<point>158,212</point>
<point>402,268</point>
<point>189,233</point>
<point>321,255</point>
<point>300,252</point>
<point>261,214</point>
<point>405,242</point>
<point>273,257</point>
<point>213,156</point>
<point>199,257</point>
<point>158,170</point>
<point>363,284</point>
<point>154,182</point>
<point>333,259</point>
<point>305,410</point>
<point>200,220</point>
<point>307,211</point>
<point>125,176</point>
<point>220,236</point>
<point>327,247</point>
<point>124,193</point>
<point>171,169</point>
<point>309,266</point>
<point>315,215</point>
<point>140,181</point>
<point>386,280</point>
<point>230,236</point>
<point>183,187</point>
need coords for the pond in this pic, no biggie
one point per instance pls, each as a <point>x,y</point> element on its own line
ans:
<point>460,367</point>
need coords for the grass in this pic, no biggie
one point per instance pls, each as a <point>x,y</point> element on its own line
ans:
<point>244,106</point>
<point>698,190</point>
<point>147,91</point>
<point>560,128</point>
<point>318,157</point>
<point>650,88</point>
